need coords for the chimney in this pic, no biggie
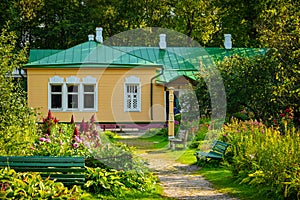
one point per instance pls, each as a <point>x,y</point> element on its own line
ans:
<point>91,37</point>
<point>99,37</point>
<point>162,41</point>
<point>227,42</point>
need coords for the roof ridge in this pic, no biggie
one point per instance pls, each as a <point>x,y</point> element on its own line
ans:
<point>113,47</point>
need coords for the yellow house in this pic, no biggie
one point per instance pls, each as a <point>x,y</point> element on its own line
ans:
<point>124,86</point>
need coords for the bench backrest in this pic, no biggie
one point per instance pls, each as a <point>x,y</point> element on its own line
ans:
<point>183,135</point>
<point>64,169</point>
<point>219,147</point>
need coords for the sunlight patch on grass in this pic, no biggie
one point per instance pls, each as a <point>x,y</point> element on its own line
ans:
<point>223,181</point>
<point>187,157</point>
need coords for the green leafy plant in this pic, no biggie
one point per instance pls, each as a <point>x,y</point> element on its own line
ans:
<point>30,185</point>
<point>118,183</point>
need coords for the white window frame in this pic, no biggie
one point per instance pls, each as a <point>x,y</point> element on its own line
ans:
<point>132,81</point>
<point>73,80</point>
<point>89,80</point>
<point>55,80</point>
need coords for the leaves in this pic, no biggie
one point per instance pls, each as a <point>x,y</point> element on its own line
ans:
<point>30,185</point>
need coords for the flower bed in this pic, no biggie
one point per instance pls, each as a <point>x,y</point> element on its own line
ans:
<point>265,157</point>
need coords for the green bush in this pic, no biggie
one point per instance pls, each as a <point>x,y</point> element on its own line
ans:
<point>262,156</point>
<point>118,183</point>
<point>31,186</point>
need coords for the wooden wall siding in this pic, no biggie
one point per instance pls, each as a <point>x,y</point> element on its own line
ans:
<point>110,94</point>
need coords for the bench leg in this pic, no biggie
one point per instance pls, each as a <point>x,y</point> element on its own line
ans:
<point>173,146</point>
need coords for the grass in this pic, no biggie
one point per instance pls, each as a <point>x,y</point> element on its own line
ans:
<point>154,142</point>
<point>222,180</point>
<point>135,195</point>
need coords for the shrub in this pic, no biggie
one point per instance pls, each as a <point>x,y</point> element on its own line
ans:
<point>118,183</point>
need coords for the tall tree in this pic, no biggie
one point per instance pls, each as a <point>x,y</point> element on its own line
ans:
<point>239,18</point>
<point>17,121</point>
<point>196,19</point>
<point>279,30</point>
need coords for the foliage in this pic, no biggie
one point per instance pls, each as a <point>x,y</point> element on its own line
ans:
<point>263,98</point>
<point>113,156</point>
<point>118,183</point>
<point>262,156</point>
<point>31,186</point>
<point>239,19</point>
<point>17,121</point>
<point>280,31</point>
<point>56,24</point>
<point>196,19</point>
<point>62,24</point>
<point>261,86</point>
<point>245,94</point>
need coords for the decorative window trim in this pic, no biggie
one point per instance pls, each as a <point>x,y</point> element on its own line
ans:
<point>134,82</point>
<point>89,80</point>
<point>55,80</point>
<point>73,80</point>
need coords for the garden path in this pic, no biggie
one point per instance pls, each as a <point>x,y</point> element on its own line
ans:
<point>178,180</point>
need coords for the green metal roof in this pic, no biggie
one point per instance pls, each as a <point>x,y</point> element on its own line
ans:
<point>185,61</point>
<point>176,61</point>
<point>91,54</point>
<point>37,54</point>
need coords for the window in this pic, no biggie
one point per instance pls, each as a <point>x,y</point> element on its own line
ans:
<point>55,99</point>
<point>72,95</point>
<point>89,93</point>
<point>88,96</point>
<point>56,96</point>
<point>132,94</point>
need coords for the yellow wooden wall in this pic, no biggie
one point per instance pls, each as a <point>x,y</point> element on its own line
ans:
<point>110,94</point>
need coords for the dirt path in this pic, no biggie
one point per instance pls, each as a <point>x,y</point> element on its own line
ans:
<point>178,179</point>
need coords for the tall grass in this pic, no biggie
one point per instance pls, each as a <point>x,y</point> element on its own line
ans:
<point>265,157</point>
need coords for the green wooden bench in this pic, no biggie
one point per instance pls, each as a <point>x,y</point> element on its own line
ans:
<point>217,151</point>
<point>68,170</point>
